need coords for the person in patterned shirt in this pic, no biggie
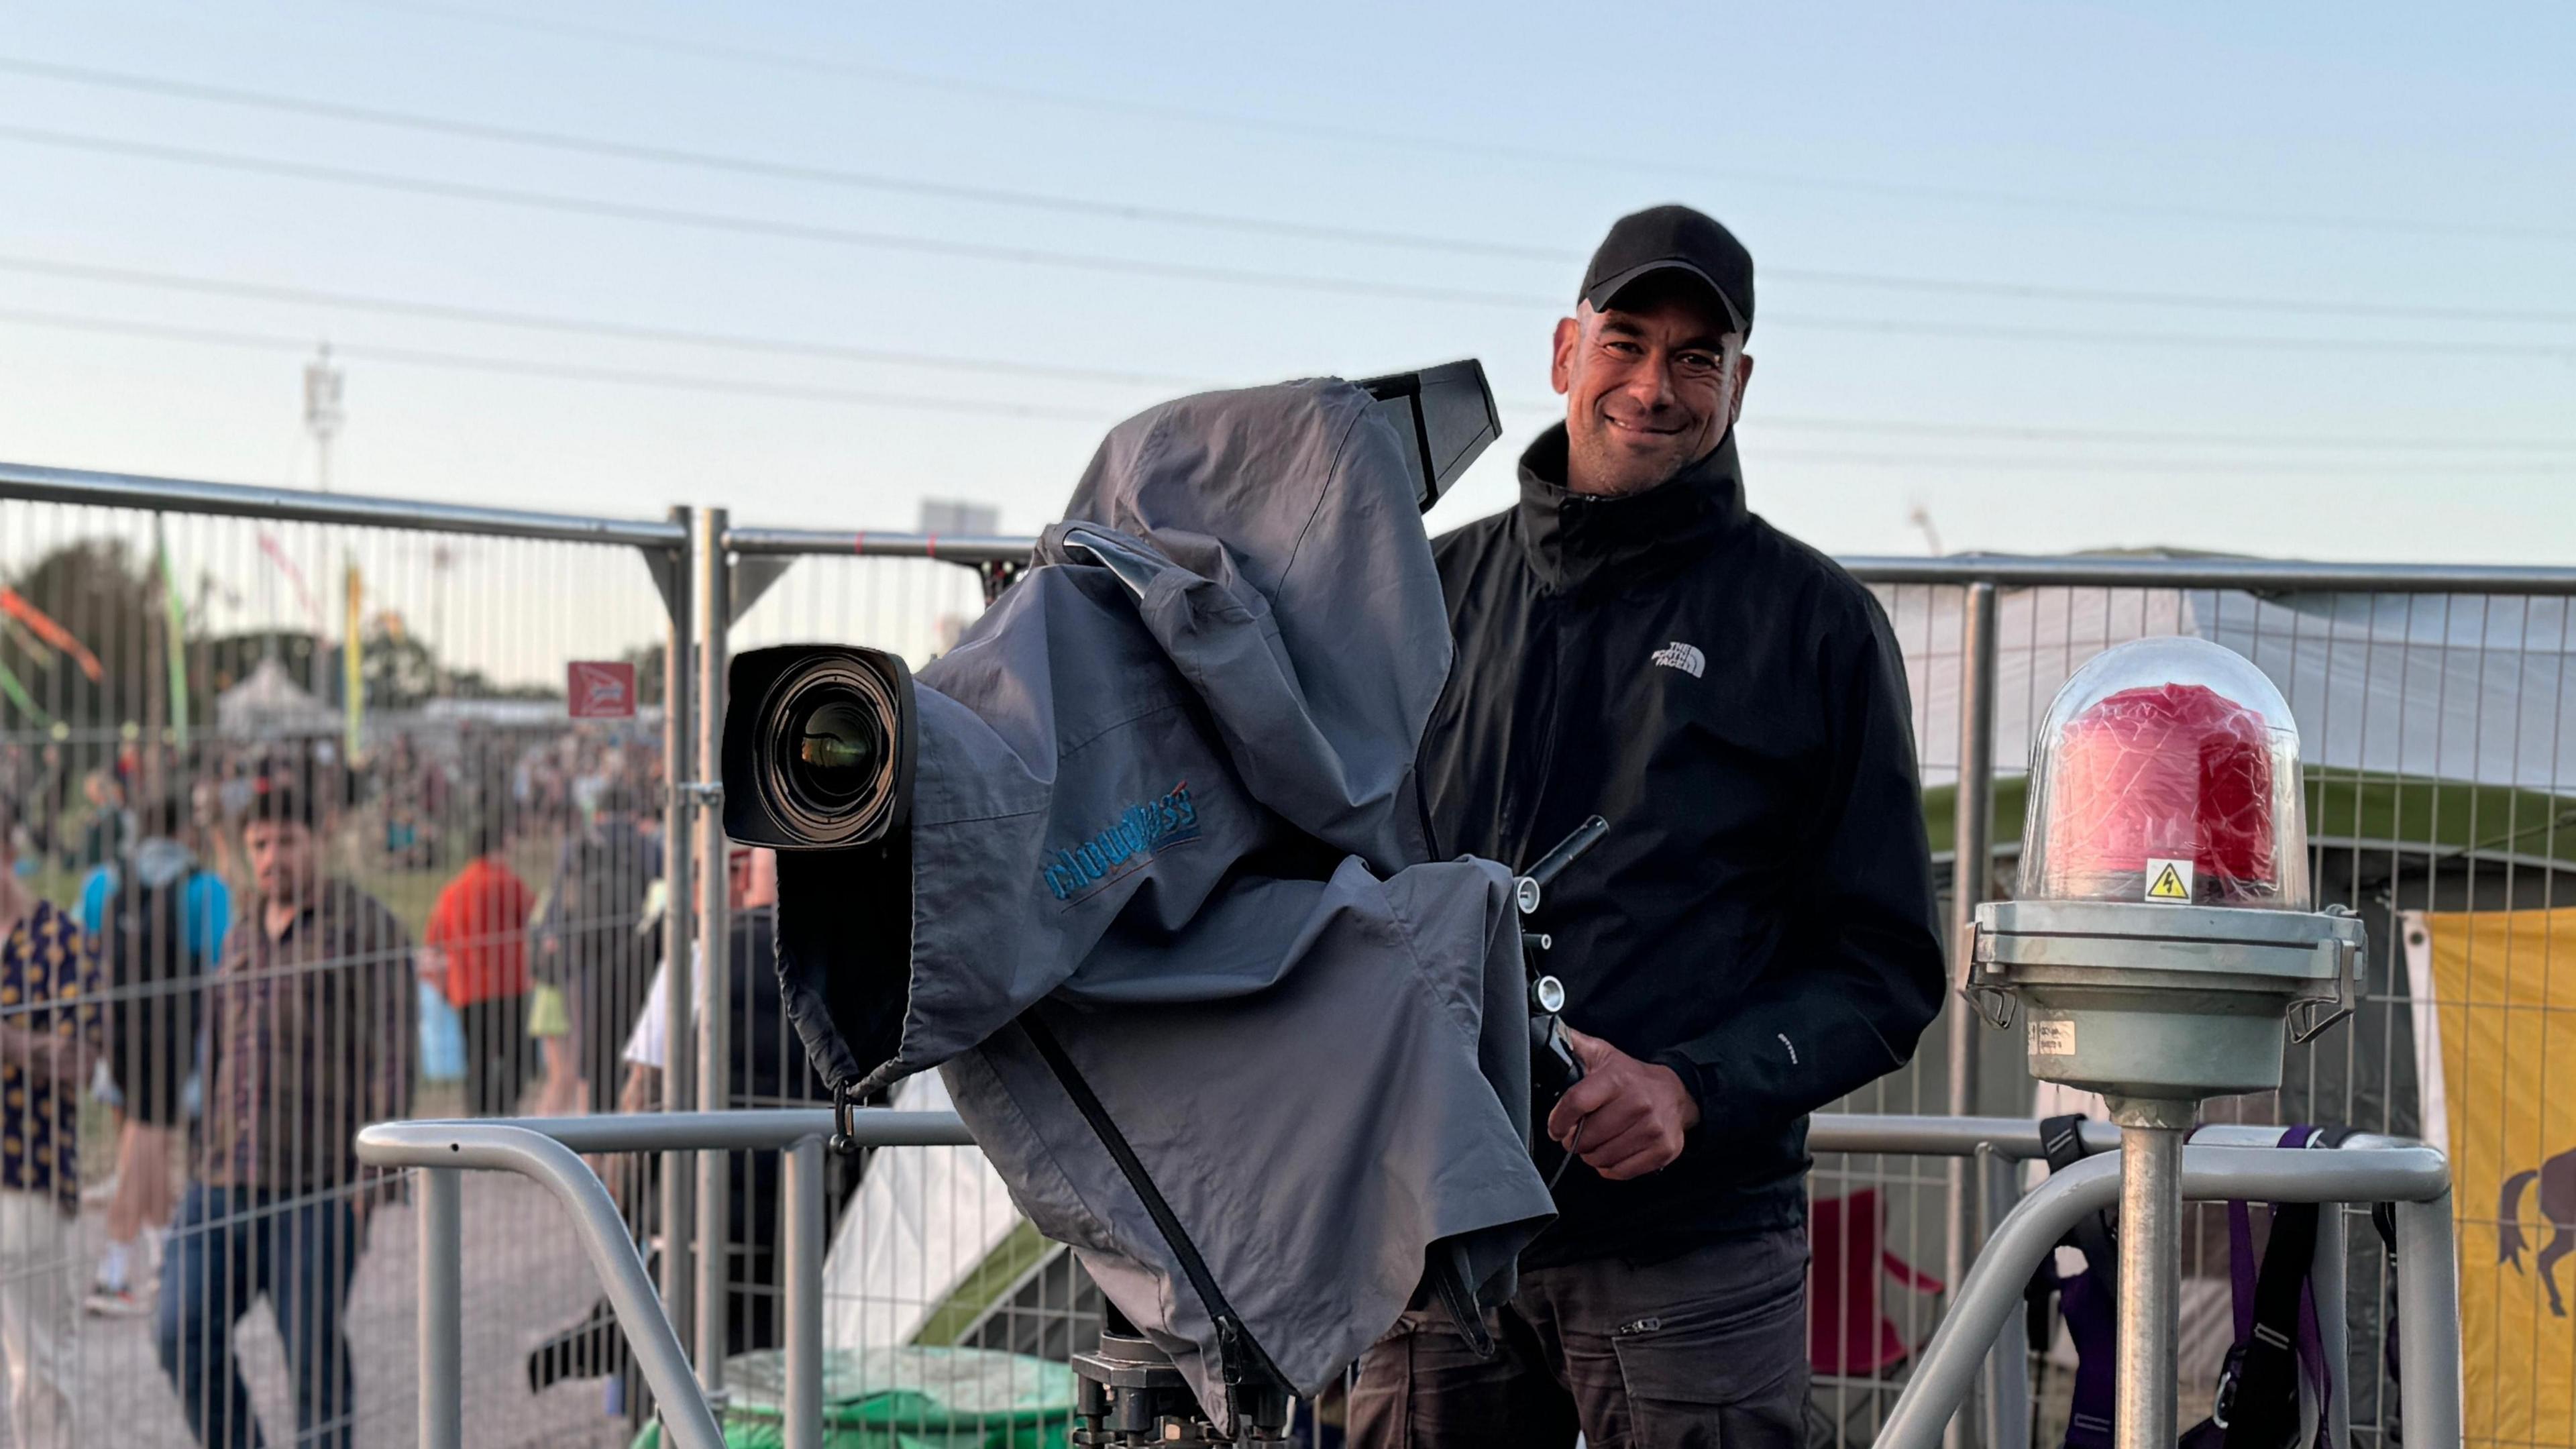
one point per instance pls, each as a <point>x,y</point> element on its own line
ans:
<point>309,1023</point>
<point>49,1035</point>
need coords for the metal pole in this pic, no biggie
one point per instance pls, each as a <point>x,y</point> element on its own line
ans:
<point>2150,1285</point>
<point>679,994</point>
<point>2428,1310</point>
<point>2326,1278</point>
<point>713,612</point>
<point>2007,1381</point>
<point>1971,860</point>
<point>1947,1366</point>
<point>495,1146</point>
<point>801,1185</point>
<point>235,500</point>
<point>442,1314</point>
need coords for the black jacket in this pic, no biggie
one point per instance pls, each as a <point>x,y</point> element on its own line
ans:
<point>1760,917</point>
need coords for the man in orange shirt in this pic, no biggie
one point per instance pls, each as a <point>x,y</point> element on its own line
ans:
<point>478,958</point>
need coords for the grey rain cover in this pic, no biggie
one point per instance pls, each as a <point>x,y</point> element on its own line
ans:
<point>1165,801</point>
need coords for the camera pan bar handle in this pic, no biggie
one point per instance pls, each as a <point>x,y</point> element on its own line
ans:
<point>1527,889</point>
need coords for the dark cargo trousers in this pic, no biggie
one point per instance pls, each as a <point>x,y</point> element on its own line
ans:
<point>1700,1351</point>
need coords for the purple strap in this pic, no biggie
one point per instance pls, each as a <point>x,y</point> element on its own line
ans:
<point>2240,1267</point>
<point>2312,1347</point>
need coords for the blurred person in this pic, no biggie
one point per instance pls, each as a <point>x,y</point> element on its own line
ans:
<point>478,955</point>
<point>105,837</point>
<point>157,920</point>
<point>767,1069</point>
<point>42,813</point>
<point>559,1090</point>
<point>309,1037</point>
<point>1756,935</point>
<point>590,942</point>
<point>48,1038</point>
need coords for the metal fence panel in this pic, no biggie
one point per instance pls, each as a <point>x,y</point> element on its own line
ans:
<point>2435,727</point>
<point>156,666</point>
<point>165,677</point>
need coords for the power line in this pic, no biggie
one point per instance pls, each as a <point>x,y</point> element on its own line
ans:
<point>1590,163</point>
<point>1126,266</point>
<point>797,347</point>
<point>748,225</point>
<point>515,367</point>
<point>911,402</point>
<point>2046,433</point>
<point>771,168</point>
<point>547,322</point>
<point>1929,461</point>
<point>735,164</point>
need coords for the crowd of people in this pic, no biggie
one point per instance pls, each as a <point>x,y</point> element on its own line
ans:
<point>228,952</point>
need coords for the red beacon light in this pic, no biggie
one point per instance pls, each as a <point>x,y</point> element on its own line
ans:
<point>2167,772</point>
<point>2162,947</point>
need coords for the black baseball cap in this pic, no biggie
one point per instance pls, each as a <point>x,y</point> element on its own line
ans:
<point>1673,239</point>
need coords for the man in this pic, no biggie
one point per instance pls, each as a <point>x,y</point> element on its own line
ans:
<point>591,940</point>
<point>158,920</point>
<point>308,1039</point>
<point>768,1069</point>
<point>1754,937</point>
<point>49,1037</point>
<point>478,960</point>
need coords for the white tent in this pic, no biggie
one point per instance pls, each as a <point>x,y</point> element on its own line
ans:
<point>270,703</point>
<point>926,1222</point>
<point>2469,688</point>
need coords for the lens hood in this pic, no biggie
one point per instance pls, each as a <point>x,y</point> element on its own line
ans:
<point>819,744</point>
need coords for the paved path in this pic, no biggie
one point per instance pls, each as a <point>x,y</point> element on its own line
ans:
<point>525,1277</point>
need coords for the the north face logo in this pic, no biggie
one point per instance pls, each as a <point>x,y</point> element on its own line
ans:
<point>1682,657</point>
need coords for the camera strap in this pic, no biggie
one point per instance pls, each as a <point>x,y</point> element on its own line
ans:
<point>1239,1359</point>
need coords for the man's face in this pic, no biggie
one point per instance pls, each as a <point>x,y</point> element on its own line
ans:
<point>282,858</point>
<point>1650,385</point>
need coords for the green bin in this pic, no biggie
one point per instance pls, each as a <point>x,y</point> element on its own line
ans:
<point>905,1398</point>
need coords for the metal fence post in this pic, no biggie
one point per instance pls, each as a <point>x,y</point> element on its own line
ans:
<point>2428,1315</point>
<point>441,1309</point>
<point>1970,863</point>
<point>679,992</point>
<point>801,1188</point>
<point>2334,1319</point>
<point>713,608</point>
<point>2006,1384</point>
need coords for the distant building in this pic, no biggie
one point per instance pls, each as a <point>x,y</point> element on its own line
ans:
<point>957,518</point>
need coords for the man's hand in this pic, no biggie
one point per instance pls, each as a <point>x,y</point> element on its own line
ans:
<point>1631,1116</point>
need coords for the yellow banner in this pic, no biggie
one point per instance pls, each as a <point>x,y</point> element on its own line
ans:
<point>2508,1042</point>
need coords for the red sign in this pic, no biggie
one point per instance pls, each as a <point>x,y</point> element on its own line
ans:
<point>601,689</point>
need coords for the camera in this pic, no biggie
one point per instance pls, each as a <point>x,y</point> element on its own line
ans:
<point>819,747</point>
<point>820,739</point>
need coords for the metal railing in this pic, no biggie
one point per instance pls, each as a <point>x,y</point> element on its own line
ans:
<point>170,643</point>
<point>1984,637</point>
<point>1979,1337</point>
<point>2439,704</point>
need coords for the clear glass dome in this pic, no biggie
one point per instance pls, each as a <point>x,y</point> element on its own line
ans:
<point>2167,771</point>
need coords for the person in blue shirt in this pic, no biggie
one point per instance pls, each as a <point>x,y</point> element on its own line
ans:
<point>158,918</point>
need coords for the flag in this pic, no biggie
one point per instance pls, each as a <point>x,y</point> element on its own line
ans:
<point>353,679</point>
<point>2505,1016</point>
<point>175,640</point>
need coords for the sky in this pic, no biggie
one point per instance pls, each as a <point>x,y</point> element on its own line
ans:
<point>2296,280</point>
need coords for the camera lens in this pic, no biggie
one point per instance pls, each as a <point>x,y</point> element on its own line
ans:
<point>825,768</point>
<point>837,750</point>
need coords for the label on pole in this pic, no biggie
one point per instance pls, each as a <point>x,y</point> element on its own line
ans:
<point>2052,1036</point>
<point>600,689</point>
<point>2169,881</point>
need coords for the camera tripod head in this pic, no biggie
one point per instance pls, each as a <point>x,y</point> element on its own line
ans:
<point>1127,1395</point>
